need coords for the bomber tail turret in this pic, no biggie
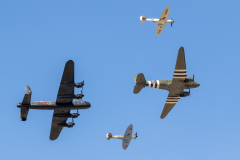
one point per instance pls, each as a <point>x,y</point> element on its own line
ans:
<point>140,83</point>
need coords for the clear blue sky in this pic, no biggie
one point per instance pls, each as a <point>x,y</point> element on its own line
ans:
<point>109,46</point>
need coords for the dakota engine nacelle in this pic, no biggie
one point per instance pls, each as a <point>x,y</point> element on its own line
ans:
<point>68,124</point>
<point>73,96</point>
<point>189,80</point>
<point>184,94</point>
<point>109,136</point>
<point>77,85</point>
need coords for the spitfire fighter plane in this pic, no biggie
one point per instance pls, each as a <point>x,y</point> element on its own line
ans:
<point>61,106</point>
<point>161,22</point>
<point>175,87</point>
<point>127,137</point>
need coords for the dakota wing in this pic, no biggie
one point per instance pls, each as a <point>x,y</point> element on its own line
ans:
<point>177,86</point>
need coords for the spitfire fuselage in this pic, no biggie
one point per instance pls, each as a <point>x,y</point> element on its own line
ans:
<point>166,84</point>
<point>51,105</point>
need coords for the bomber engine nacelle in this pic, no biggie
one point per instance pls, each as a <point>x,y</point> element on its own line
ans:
<point>109,136</point>
<point>77,85</point>
<point>184,94</point>
<point>68,124</point>
<point>73,96</point>
<point>71,115</point>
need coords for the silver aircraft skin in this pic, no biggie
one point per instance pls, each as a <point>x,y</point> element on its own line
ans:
<point>126,138</point>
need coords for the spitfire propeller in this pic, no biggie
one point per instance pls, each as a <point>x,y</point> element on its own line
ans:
<point>136,136</point>
<point>172,22</point>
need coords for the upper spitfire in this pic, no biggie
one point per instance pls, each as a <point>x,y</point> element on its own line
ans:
<point>161,22</point>
<point>61,106</point>
<point>175,87</point>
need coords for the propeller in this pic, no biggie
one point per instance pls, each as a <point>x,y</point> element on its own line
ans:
<point>193,77</point>
<point>136,135</point>
<point>172,22</point>
<point>82,84</point>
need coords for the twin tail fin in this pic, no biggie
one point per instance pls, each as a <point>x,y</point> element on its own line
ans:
<point>26,101</point>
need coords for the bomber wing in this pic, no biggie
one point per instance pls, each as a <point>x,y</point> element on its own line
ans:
<point>177,86</point>
<point>56,128</point>
<point>162,20</point>
<point>67,77</point>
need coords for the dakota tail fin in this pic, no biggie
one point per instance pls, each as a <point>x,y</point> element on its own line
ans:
<point>140,83</point>
<point>143,18</point>
<point>26,101</point>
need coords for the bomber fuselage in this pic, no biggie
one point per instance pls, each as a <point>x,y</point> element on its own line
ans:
<point>51,105</point>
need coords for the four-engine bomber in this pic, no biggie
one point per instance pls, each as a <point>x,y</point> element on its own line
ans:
<point>61,106</point>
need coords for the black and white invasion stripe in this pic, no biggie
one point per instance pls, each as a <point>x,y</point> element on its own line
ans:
<point>180,73</point>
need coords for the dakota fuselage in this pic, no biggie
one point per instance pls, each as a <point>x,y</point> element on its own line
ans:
<point>166,84</point>
<point>51,105</point>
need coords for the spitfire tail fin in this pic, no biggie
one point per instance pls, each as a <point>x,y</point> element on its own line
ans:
<point>143,18</point>
<point>109,136</point>
<point>140,83</point>
<point>26,101</point>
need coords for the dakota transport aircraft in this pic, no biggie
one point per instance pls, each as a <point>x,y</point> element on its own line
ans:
<point>61,106</point>
<point>161,22</point>
<point>175,87</point>
<point>127,137</point>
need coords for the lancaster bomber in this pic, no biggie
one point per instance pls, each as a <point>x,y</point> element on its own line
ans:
<point>175,87</point>
<point>61,106</point>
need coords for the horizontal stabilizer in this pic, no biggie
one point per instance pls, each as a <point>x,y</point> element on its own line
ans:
<point>27,96</point>
<point>143,18</point>
<point>137,88</point>
<point>24,113</point>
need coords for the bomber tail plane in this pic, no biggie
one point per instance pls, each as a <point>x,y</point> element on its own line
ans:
<point>26,101</point>
<point>140,83</point>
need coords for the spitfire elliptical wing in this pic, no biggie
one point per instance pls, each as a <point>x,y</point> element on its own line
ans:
<point>177,86</point>
<point>128,135</point>
<point>162,21</point>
